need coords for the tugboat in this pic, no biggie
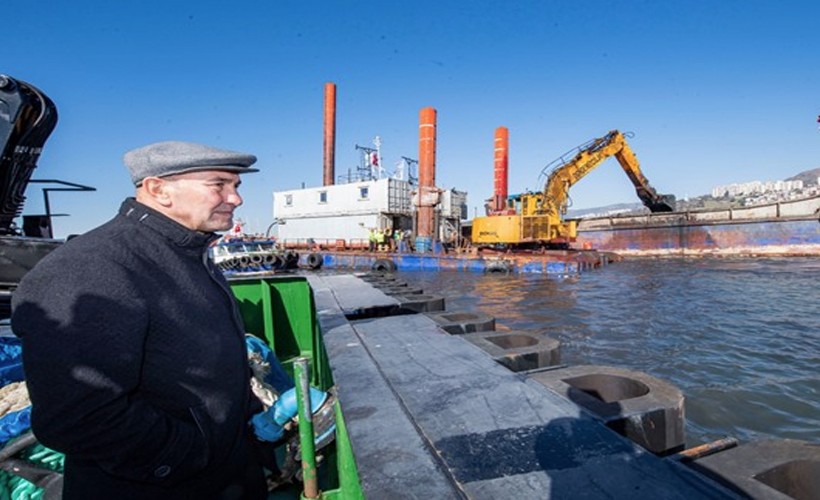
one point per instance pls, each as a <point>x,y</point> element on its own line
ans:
<point>238,252</point>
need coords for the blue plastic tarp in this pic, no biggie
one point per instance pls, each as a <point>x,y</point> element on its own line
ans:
<point>11,370</point>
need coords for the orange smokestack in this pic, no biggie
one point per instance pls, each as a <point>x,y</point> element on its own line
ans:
<point>502,158</point>
<point>329,171</point>
<point>427,172</point>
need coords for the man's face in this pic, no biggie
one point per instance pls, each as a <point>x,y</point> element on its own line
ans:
<point>203,201</point>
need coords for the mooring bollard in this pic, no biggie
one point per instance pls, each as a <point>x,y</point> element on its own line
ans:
<point>638,406</point>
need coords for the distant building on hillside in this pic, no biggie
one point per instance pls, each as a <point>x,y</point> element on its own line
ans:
<point>755,187</point>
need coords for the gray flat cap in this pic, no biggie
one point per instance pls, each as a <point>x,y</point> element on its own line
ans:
<point>174,157</point>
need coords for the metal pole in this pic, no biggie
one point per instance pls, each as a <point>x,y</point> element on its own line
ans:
<point>48,216</point>
<point>47,205</point>
<point>704,450</point>
<point>301,371</point>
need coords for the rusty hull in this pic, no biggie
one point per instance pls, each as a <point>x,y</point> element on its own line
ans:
<point>707,233</point>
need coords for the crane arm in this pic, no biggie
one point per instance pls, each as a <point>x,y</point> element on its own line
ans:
<point>556,189</point>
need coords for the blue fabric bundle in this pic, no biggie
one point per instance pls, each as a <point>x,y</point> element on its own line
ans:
<point>11,360</point>
<point>11,370</point>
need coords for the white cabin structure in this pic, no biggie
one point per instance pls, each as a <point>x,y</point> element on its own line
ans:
<point>325,215</point>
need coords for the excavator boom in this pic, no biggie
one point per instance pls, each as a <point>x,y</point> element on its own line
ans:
<point>592,154</point>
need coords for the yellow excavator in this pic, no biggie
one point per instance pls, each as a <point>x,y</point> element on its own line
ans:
<point>537,219</point>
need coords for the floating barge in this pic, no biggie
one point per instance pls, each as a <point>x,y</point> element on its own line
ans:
<point>550,262</point>
<point>787,229</point>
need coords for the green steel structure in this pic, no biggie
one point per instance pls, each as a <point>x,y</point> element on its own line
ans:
<point>281,310</point>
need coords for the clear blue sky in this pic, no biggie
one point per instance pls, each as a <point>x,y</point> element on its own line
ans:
<point>715,91</point>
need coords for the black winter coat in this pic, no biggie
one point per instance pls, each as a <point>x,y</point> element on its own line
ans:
<point>135,359</point>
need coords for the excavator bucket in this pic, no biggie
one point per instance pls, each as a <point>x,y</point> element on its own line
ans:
<point>656,202</point>
<point>666,204</point>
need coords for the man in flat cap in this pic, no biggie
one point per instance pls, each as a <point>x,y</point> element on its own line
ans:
<point>134,349</point>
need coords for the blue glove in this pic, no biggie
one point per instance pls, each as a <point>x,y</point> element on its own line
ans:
<point>265,428</point>
<point>285,407</point>
<point>257,345</point>
<point>269,424</point>
<point>276,377</point>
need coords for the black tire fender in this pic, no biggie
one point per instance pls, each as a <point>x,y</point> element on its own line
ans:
<point>314,261</point>
<point>498,266</point>
<point>291,259</point>
<point>278,262</point>
<point>383,266</point>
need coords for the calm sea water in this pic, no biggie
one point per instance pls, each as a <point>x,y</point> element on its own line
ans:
<point>740,337</point>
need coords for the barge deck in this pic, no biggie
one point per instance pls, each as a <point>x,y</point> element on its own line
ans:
<point>429,415</point>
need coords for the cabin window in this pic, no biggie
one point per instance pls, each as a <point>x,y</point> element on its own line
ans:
<point>364,193</point>
<point>322,196</point>
<point>288,200</point>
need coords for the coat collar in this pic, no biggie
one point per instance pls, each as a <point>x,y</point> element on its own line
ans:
<point>167,227</point>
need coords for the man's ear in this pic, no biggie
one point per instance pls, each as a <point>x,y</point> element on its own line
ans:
<point>157,190</point>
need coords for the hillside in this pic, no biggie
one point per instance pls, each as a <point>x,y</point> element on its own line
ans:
<point>809,177</point>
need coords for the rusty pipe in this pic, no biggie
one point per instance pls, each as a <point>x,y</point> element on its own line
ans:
<point>427,171</point>
<point>427,147</point>
<point>704,450</point>
<point>501,168</point>
<point>329,170</point>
